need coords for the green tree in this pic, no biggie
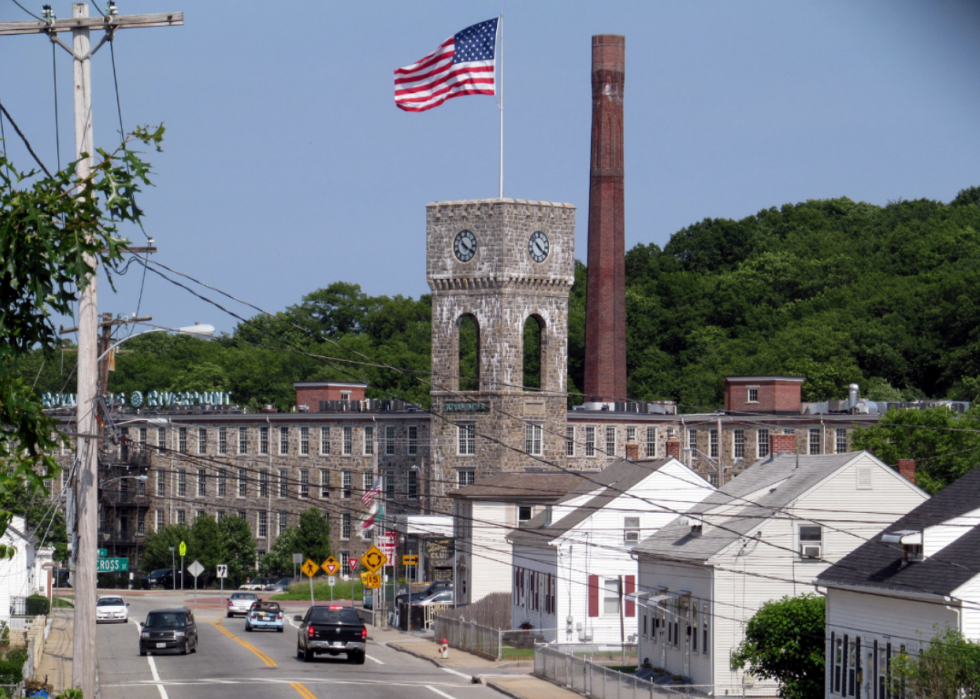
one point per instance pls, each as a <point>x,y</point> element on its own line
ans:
<point>206,544</point>
<point>947,668</point>
<point>784,641</point>
<point>239,549</point>
<point>156,551</point>
<point>204,376</point>
<point>313,535</point>
<point>279,559</point>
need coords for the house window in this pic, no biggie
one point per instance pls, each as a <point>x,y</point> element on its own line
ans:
<point>263,440</point>
<point>610,596</point>
<point>651,442</point>
<point>465,477</point>
<point>181,483</point>
<point>630,434</point>
<point>389,440</point>
<point>413,484</point>
<point>141,488</point>
<point>367,480</point>
<point>413,440</point>
<point>283,441</point>
<point>348,446</point>
<point>345,485</point>
<point>162,438</point>
<point>222,440</point>
<point>324,483</point>
<point>570,441</point>
<point>182,440</point>
<point>389,485</point>
<point>692,440</point>
<point>264,483</point>
<point>631,530</point>
<point>263,523</point>
<point>219,515</point>
<point>753,395</point>
<point>304,483</point>
<point>466,438</point>
<point>841,440</point>
<point>142,438</point>
<point>202,483</point>
<point>304,441</point>
<point>221,482</point>
<point>811,541</point>
<point>345,525</point>
<point>161,484</point>
<point>814,440</point>
<point>368,441</point>
<point>243,515</point>
<point>141,523</point>
<point>704,629</point>
<point>590,441</point>
<point>242,483</point>
<point>692,629</point>
<point>838,652</point>
<point>283,482</point>
<point>713,444</point>
<point>181,516</point>
<point>345,395</point>
<point>283,523</point>
<point>324,441</point>
<point>762,443</point>
<point>610,441</point>
<point>161,520</point>
<point>524,513</point>
<point>738,444</point>
<point>345,560</point>
<point>242,440</point>
<point>532,439</point>
<point>202,440</point>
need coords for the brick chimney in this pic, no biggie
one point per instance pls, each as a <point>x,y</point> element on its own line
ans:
<point>673,449</point>
<point>605,310</point>
<point>632,450</point>
<point>782,443</point>
<point>906,469</point>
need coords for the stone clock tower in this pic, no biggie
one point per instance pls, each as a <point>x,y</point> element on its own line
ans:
<point>500,262</point>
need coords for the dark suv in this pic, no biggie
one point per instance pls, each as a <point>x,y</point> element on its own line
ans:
<point>427,591</point>
<point>169,629</point>
<point>163,577</point>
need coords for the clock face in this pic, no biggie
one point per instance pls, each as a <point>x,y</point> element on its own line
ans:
<point>538,246</point>
<point>464,246</point>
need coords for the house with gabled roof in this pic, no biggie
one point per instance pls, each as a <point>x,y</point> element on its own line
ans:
<point>894,593</point>
<point>572,569</point>
<point>17,572</point>
<point>766,534</point>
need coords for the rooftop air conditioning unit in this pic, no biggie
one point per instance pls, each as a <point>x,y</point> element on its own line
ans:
<point>810,550</point>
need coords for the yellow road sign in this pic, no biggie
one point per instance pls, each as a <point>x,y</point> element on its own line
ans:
<point>310,568</point>
<point>410,560</point>
<point>183,549</point>
<point>374,560</point>
<point>371,581</point>
<point>330,566</point>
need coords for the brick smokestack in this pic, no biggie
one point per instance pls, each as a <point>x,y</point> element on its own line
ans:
<point>782,444</point>
<point>673,449</point>
<point>906,468</point>
<point>605,324</point>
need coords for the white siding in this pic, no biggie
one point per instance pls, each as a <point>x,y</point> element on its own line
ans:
<point>16,574</point>
<point>969,593</point>
<point>483,554</point>
<point>935,539</point>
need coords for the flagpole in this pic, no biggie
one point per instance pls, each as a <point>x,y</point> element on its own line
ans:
<point>501,103</point>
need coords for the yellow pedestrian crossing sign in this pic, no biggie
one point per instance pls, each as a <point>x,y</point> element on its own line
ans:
<point>310,568</point>
<point>374,560</point>
<point>183,549</point>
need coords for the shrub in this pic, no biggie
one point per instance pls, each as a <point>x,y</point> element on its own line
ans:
<point>37,604</point>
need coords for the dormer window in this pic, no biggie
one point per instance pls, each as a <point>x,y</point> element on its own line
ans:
<point>911,543</point>
<point>753,395</point>
<point>912,553</point>
<point>523,513</point>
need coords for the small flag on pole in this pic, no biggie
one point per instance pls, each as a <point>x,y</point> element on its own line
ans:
<point>369,495</point>
<point>369,522</point>
<point>462,65</point>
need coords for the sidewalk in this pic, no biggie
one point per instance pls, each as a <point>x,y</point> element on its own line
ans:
<point>56,662</point>
<point>512,678</point>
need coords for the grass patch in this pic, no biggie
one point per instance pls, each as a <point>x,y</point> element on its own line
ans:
<point>62,602</point>
<point>321,591</point>
<point>509,652</point>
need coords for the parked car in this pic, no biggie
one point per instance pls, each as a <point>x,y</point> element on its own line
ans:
<point>111,608</point>
<point>258,584</point>
<point>280,585</point>
<point>162,577</point>
<point>241,602</point>
<point>444,598</point>
<point>169,629</point>
<point>264,615</point>
<point>332,630</point>
<point>426,592</point>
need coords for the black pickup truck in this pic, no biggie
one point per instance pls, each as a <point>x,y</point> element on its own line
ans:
<point>332,630</point>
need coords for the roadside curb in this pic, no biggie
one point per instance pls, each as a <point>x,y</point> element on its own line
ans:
<point>503,690</point>
<point>394,646</point>
<point>477,679</point>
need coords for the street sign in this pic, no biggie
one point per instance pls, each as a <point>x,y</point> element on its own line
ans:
<point>330,566</point>
<point>183,549</point>
<point>352,563</point>
<point>112,565</point>
<point>412,560</point>
<point>310,568</point>
<point>297,558</point>
<point>373,560</point>
<point>331,581</point>
<point>222,571</point>
<point>103,553</point>
<point>371,581</point>
<point>195,568</point>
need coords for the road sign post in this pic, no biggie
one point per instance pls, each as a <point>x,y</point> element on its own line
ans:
<point>297,559</point>
<point>183,552</point>
<point>222,574</point>
<point>173,565</point>
<point>309,569</point>
<point>195,569</point>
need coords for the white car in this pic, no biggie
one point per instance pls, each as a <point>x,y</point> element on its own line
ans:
<point>241,602</point>
<point>111,608</point>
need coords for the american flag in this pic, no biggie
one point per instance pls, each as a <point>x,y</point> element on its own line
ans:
<point>369,495</point>
<point>462,65</point>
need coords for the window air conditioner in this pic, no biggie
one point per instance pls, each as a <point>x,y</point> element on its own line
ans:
<point>810,550</point>
<point>632,536</point>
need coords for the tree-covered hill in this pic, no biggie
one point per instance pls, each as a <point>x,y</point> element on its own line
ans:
<point>834,290</point>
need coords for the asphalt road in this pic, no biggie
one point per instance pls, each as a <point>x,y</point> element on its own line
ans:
<point>260,665</point>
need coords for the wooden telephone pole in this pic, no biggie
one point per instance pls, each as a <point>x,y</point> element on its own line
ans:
<point>86,552</point>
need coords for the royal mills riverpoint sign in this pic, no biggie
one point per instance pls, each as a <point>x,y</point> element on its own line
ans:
<point>152,399</point>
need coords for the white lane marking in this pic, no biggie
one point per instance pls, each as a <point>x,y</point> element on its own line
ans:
<point>153,667</point>
<point>439,691</point>
<point>371,657</point>
<point>456,672</point>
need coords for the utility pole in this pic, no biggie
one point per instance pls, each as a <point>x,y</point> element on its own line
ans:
<point>80,25</point>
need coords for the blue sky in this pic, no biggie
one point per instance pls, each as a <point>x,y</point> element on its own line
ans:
<point>287,166</point>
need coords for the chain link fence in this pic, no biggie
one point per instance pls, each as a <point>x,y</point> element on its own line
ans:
<point>488,642</point>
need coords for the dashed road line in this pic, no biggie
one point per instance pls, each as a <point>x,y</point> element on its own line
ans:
<point>262,656</point>
<point>153,667</point>
<point>371,657</point>
<point>439,692</point>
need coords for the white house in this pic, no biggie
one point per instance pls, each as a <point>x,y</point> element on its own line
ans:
<point>483,514</point>
<point>571,563</point>
<point>898,590</point>
<point>766,534</point>
<point>17,573</point>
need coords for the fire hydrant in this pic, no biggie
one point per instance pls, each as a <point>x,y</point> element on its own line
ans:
<point>444,649</point>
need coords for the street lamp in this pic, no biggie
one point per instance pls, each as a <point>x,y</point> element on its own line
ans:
<point>202,331</point>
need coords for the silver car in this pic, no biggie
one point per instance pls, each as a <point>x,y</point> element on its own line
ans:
<point>241,602</point>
